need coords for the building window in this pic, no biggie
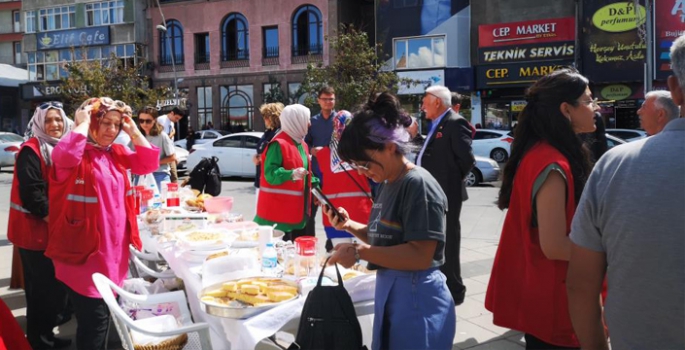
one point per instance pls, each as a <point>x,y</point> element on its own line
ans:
<point>270,41</point>
<point>104,13</point>
<point>30,17</point>
<point>202,48</point>
<point>426,52</point>
<point>237,108</point>
<point>307,31</point>
<point>48,65</point>
<point>235,38</point>
<point>405,3</point>
<point>17,52</point>
<point>204,106</point>
<point>57,18</point>
<point>16,20</point>
<point>296,94</point>
<point>171,43</point>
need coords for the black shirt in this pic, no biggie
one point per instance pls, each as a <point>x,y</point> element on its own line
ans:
<point>32,187</point>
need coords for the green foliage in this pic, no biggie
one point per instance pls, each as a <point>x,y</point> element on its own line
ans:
<point>276,93</point>
<point>115,78</point>
<point>356,73</point>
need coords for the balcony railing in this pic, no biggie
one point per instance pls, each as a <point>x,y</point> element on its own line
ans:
<point>270,56</point>
<point>166,60</point>
<point>305,54</point>
<point>201,61</point>
<point>235,59</point>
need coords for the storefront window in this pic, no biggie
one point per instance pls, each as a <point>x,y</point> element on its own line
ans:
<point>237,107</point>
<point>426,52</point>
<point>498,115</point>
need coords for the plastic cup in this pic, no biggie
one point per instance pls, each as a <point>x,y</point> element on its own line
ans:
<point>265,235</point>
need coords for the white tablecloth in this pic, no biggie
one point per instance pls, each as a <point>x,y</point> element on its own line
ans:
<point>244,334</point>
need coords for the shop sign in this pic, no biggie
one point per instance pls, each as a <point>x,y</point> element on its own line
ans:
<point>616,92</point>
<point>669,26</point>
<point>515,74</point>
<point>517,106</point>
<point>420,80</point>
<point>612,50</point>
<point>61,39</point>
<point>527,52</point>
<point>619,17</point>
<point>46,91</point>
<point>527,32</point>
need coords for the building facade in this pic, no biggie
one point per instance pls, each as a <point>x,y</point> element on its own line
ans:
<point>58,31</point>
<point>227,55</point>
<point>11,33</point>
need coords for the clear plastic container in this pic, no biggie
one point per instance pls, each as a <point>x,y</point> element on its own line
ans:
<point>173,198</point>
<point>305,257</point>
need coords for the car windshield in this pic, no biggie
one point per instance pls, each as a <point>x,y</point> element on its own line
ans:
<point>11,138</point>
<point>223,132</point>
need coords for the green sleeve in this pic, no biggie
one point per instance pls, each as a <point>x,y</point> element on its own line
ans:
<point>538,183</point>
<point>274,172</point>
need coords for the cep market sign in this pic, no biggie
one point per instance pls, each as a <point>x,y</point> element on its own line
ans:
<point>521,74</point>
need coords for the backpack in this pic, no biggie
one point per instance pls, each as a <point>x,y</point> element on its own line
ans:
<point>328,319</point>
<point>205,176</point>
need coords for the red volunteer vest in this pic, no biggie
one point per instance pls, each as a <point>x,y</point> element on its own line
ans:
<point>284,203</point>
<point>73,230</point>
<point>24,229</point>
<point>342,190</point>
<point>527,291</point>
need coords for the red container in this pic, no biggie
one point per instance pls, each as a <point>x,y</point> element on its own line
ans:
<point>305,246</point>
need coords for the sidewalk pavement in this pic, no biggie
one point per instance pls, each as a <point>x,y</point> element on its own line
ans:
<point>481,223</point>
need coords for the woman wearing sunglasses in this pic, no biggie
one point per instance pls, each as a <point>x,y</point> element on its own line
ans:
<point>27,228</point>
<point>153,132</point>
<point>93,220</point>
<point>404,237</point>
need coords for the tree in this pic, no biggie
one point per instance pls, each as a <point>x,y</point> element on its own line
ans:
<point>275,94</point>
<point>116,78</point>
<point>356,74</point>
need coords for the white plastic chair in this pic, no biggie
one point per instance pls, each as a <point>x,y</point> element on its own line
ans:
<point>198,333</point>
<point>139,267</point>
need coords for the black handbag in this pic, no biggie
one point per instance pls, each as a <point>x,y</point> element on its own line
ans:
<point>328,319</point>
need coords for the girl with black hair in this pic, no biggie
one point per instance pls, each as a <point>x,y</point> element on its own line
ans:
<point>404,238</point>
<point>543,181</point>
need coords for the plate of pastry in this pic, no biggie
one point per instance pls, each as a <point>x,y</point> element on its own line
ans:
<point>246,297</point>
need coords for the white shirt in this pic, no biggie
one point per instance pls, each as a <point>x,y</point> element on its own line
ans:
<point>166,123</point>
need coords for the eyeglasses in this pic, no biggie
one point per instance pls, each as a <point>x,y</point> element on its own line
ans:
<point>53,104</point>
<point>592,102</point>
<point>146,121</point>
<point>364,167</point>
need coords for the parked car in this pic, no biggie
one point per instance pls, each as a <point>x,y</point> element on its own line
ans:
<point>181,159</point>
<point>234,151</point>
<point>486,170</point>
<point>613,141</point>
<point>629,135</point>
<point>9,146</point>
<point>495,144</point>
<point>203,136</point>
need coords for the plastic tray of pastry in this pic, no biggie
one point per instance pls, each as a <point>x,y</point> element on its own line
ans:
<point>246,297</point>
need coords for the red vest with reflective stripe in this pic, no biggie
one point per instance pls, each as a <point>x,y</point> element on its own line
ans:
<point>284,203</point>
<point>527,291</point>
<point>73,229</point>
<point>342,190</point>
<point>24,229</point>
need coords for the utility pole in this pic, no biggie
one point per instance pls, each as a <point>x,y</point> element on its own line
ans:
<point>649,42</point>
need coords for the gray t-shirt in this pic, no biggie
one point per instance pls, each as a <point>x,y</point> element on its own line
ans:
<point>409,209</point>
<point>166,148</point>
<point>633,210</point>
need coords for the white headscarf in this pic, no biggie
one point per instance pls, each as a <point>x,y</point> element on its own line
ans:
<point>295,121</point>
<point>36,128</point>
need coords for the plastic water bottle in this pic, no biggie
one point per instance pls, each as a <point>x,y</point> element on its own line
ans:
<point>269,260</point>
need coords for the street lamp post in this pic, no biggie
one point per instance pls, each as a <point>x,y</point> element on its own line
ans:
<point>163,29</point>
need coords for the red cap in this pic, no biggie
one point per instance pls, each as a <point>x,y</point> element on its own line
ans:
<point>306,245</point>
<point>172,186</point>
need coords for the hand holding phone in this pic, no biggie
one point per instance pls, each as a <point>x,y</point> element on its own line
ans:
<point>327,203</point>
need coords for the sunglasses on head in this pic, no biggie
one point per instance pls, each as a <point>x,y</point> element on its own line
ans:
<point>49,104</point>
<point>146,121</point>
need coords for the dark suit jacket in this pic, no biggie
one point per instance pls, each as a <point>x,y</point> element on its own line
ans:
<point>448,155</point>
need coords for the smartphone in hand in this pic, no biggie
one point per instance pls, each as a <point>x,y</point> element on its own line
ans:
<point>325,201</point>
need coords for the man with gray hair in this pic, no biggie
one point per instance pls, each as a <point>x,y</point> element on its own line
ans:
<point>657,110</point>
<point>630,217</point>
<point>447,155</point>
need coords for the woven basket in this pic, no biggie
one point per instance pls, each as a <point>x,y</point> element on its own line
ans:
<point>172,344</point>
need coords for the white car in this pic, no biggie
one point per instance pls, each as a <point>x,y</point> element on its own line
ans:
<point>495,144</point>
<point>629,135</point>
<point>203,136</point>
<point>181,158</point>
<point>9,146</point>
<point>485,170</point>
<point>235,152</point>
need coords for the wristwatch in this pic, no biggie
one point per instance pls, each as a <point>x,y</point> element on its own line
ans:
<point>356,253</point>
